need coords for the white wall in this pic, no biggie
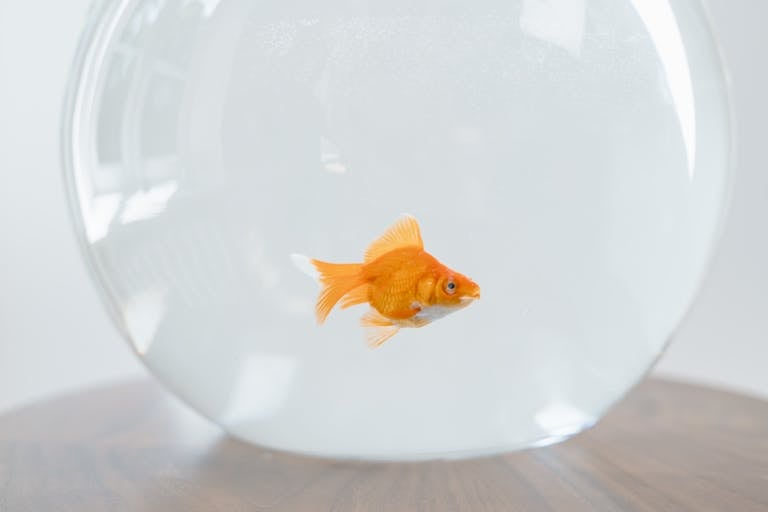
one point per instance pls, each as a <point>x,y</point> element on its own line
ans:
<point>53,332</point>
<point>54,335</point>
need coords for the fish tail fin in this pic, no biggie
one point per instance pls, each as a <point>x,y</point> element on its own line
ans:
<point>304,263</point>
<point>336,280</point>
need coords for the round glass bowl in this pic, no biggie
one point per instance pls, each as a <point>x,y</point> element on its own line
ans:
<point>571,156</point>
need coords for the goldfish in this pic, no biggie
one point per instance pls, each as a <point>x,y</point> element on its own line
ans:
<point>404,285</point>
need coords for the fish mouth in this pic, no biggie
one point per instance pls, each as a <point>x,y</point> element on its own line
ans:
<point>469,299</point>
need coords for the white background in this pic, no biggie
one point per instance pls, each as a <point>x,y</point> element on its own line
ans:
<point>55,336</point>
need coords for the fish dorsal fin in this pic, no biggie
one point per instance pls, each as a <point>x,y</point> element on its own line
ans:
<point>403,233</point>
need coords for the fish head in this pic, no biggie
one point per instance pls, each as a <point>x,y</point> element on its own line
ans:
<point>457,290</point>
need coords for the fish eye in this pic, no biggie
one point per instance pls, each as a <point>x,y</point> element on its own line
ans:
<point>450,287</point>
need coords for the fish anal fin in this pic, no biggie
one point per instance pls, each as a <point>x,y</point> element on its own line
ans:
<point>378,328</point>
<point>404,232</point>
<point>357,296</point>
<point>375,337</point>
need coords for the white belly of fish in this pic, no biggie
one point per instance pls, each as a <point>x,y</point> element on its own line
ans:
<point>432,313</point>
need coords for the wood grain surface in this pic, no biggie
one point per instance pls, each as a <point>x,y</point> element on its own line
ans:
<point>133,447</point>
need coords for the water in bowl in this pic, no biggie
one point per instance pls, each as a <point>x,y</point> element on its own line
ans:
<point>568,155</point>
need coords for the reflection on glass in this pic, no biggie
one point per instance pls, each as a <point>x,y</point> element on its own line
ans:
<point>263,383</point>
<point>665,33</point>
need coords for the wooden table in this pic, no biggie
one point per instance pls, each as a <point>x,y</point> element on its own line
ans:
<point>133,447</point>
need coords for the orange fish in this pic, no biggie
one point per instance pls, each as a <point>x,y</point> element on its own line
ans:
<point>404,284</point>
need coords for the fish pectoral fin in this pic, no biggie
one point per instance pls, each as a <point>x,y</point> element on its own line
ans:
<point>419,322</point>
<point>378,328</point>
<point>403,233</point>
<point>375,319</point>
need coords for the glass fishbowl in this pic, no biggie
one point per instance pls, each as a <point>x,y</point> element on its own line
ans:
<point>570,156</point>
